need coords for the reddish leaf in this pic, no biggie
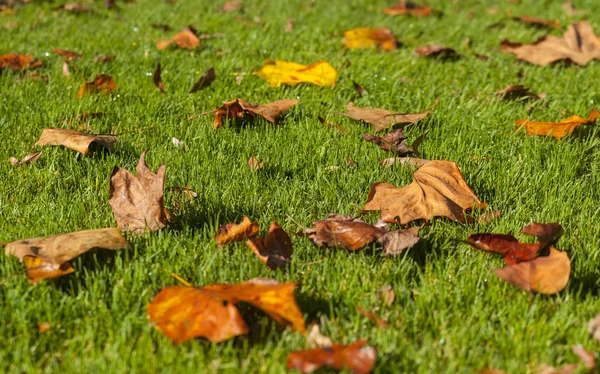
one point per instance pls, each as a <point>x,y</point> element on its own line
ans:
<point>539,22</point>
<point>241,110</point>
<point>344,232</point>
<point>507,245</point>
<point>68,55</point>
<point>357,358</point>
<point>275,249</point>
<point>235,232</point>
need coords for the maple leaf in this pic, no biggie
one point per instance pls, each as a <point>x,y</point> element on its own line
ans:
<point>183,313</point>
<point>137,201</point>
<point>186,39</point>
<point>579,44</point>
<point>18,62</point>
<point>381,119</point>
<point>280,72</point>
<point>356,357</point>
<point>77,141</point>
<point>157,79</point>
<point>438,190</point>
<point>205,80</point>
<point>408,7</point>
<point>49,257</point>
<point>242,111</point>
<point>558,129</point>
<point>68,55</point>
<point>394,142</point>
<point>275,249</point>
<point>102,84</point>
<point>366,38</point>
<point>233,232</point>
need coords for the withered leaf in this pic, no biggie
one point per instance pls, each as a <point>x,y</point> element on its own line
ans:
<point>571,11</point>
<point>137,201</point>
<point>579,44</point>
<point>315,338</point>
<point>157,79</point>
<point>387,293</point>
<point>77,141</point>
<point>44,327</point>
<point>394,142</point>
<point>539,22</point>
<point>234,232</point>
<point>68,55</point>
<point>357,357</point>
<point>412,161</point>
<point>254,164</point>
<point>438,190</point>
<point>205,80</point>
<point>279,72</point>
<point>183,313</point>
<point>408,7</point>
<point>396,241</point>
<point>381,119</point>
<point>594,327</point>
<point>333,125</point>
<point>289,25</point>
<point>360,90</point>
<point>28,159</point>
<point>232,6</point>
<point>275,249</point>
<point>48,257</point>
<point>586,357</point>
<point>558,129</point>
<point>344,232</point>
<point>366,38</point>
<point>515,91</point>
<point>104,58</point>
<point>102,84</point>
<point>437,51</point>
<point>75,8</point>
<point>186,39</point>
<point>241,110</point>
<point>18,62</point>
<point>65,69</point>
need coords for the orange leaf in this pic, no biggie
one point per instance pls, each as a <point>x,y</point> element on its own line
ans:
<point>102,84</point>
<point>234,232</point>
<point>68,55</point>
<point>367,38</point>
<point>280,72</point>
<point>558,129</point>
<point>242,111</point>
<point>18,62</point>
<point>410,8</point>
<point>274,249</point>
<point>186,39</point>
<point>356,357</point>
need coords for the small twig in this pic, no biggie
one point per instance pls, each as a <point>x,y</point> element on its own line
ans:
<point>179,278</point>
<point>296,222</point>
<point>201,114</point>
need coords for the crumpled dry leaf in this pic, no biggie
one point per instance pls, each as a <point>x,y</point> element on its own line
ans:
<point>77,141</point>
<point>539,22</point>
<point>357,357</point>
<point>381,119</point>
<point>235,232</point>
<point>242,111</point>
<point>395,142</point>
<point>345,232</point>
<point>396,241</point>
<point>231,6</point>
<point>137,201</point>
<point>558,129</point>
<point>579,44</point>
<point>280,72</point>
<point>360,90</point>
<point>254,164</point>
<point>586,357</point>
<point>28,159</point>
<point>515,91</point>
<point>183,313</point>
<point>437,51</point>
<point>408,7</point>
<point>48,257</point>
<point>103,59</point>
<point>157,79</point>
<point>102,84</point>
<point>315,339</point>
<point>18,62</point>
<point>411,161</point>
<point>594,327</point>
<point>68,55</point>
<point>186,39</point>
<point>205,80</point>
<point>363,37</point>
<point>438,190</point>
<point>275,249</point>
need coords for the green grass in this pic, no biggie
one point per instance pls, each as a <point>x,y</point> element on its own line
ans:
<point>451,314</point>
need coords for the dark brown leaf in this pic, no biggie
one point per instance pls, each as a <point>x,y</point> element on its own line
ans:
<point>360,90</point>
<point>516,91</point>
<point>68,55</point>
<point>157,79</point>
<point>396,241</point>
<point>344,232</point>
<point>205,80</point>
<point>274,249</point>
<point>437,51</point>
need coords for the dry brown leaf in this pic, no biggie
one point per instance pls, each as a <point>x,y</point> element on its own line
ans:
<point>370,315</point>
<point>232,6</point>
<point>235,232</point>
<point>205,80</point>
<point>579,44</point>
<point>408,7</point>
<point>363,37</point>
<point>43,327</point>
<point>183,313</point>
<point>571,11</point>
<point>314,338</point>
<point>289,25</point>
<point>68,55</point>
<point>48,257</point>
<point>558,129</point>
<point>438,190</point>
<point>360,90</point>
<point>75,8</point>
<point>103,59</point>
<point>28,159</point>
<point>18,62</point>
<point>586,357</point>
<point>437,51</point>
<point>77,141</point>
<point>137,201</point>
<point>381,119</point>
<point>594,327</point>
<point>358,358</point>
<point>396,241</point>
<point>102,84</point>
<point>157,79</point>
<point>275,249</point>
<point>515,91</point>
<point>65,70</point>
<point>345,232</point>
<point>412,161</point>
<point>395,142</point>
<point>254,164</point>
<point>186,39</point>
<point>387,293</point>
<point>539,22</point>
<point>242,111</point>
<point>546,369</point>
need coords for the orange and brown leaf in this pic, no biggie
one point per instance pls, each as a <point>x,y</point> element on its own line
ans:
<point>102,84</point>
<point>68,55</point>
<point>344,232</point>
<point>435,50</point>
<point>275,249</point>
<point>367,38</point>
<point>18,62</point>
<point>538,22</point>
<point>438,190</point>
<point>395,142</point>
<point>381,119</point>
<point>137,201</point>
<point>357,357</point>
<point>240,110</point>
<point>403,7</point>
<point>186,39</point>
<point>77,141</point>
<point>235,232</point>
<point>558,129</point>
<point>276,73</point>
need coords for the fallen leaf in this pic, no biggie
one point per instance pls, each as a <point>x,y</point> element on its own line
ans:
<point>231,6</point>
<point>274,249</point>
<point>103,59</point>
<point>102,84</point>
<point>289,25</point>
<point>235,232</point>
<point>357,357</point>
<point>242,111</point>
<point>412,161</point>
<point>65,69</point>
<point>381,119</point>
<point>579,44</point>
<point>157,79</point>
<point>314,338</point>
<point>254,164</point>
<point>76,141</point>
<point>437,51</point>
<point>546,369</point>
<point>367,38</point>
<point>183,313</point>
<point>43,327</point>
<point>438,190</point>
<point>137,201</point>
<point>594,327</point>
<point>539,22</point>
<point>280,72</point>
<point>68,55</point>
<point>408,7</point>
<point>387,293</point>
<point>48,257</point>
<point>205,80</point>
<point>344,232</point>
<point>515,91</point>
<point>585,356</point>
<point>18,62</point>
<point>29,159</point>
<point>394,142</point>
<point>558,129</point>
<point>396,241</point>
<point>370,315</point>
<point>571,11</point>
<point>186,39</point>
<point>75,8</point>
<point>360,90</point>
<point>488,217</point>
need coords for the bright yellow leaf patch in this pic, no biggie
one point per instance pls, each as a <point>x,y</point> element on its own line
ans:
<point>367,38</point>
<point>280,72</point>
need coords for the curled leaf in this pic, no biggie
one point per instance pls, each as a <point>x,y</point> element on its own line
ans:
<point>186,39</point>
<point>28,159</point>
<point>357,357</point>
<point>394,142</point>
<point>242,111</point>
<point>408,7</point>
<point>344,232</point>
<point>205,80</point>
<point>102,84</point>
<point>18,62</point>
<point>381,119</point>
<point>275,249</point>
<point>437,51</point>
<point>367,38</point>
<point>77,141</point>
<point>515,91</point>
<point>235,232</point>
<point>558,129</point>
<point>280,72</point>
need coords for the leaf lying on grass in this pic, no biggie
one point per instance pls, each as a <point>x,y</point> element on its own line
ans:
<point>186,39</point>
<point>68,55</point>
<point>240,110</point>
<point>157,78</point>
<point>539,22</point>
<point>205,80</point>
<point>102,84</point>
<point>28,159</point>
<point>183,313</point>
<point>395,142</point>
<point>408,7</point>
<point>558,129</point>
<point>76,141</point>
<point>314,338</point>
<point>515,91</point>
<point>280,72</point>
<point>381,119</point>
<point>254,164</point>
<point>367,38</point>
<point>235,232</point>
<point>437,51</point>
<point>357,357</point>
<point>275,249</point>
<point>48,257</point>
<point>18,62</point>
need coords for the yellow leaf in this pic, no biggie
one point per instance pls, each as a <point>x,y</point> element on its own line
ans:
<point>367,38</point>
<point>280,72</point>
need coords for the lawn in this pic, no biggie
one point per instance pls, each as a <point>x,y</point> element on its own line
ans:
<point>451,313</point>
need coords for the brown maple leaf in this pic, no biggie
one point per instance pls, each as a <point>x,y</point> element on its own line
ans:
<point>18,62</point>
<point>102,84</point>
<point>186,38</point>
<point>242,111</point>
<point>579,44</point>
<point>234,232</point>
<point>77,141</point>
<point>205,80</point>
<point>275,249</point>
<point>395,142</point>
<point>357,357</point>
<point>381,119</point>
<point>137,201</point>
<point>558,129</point>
